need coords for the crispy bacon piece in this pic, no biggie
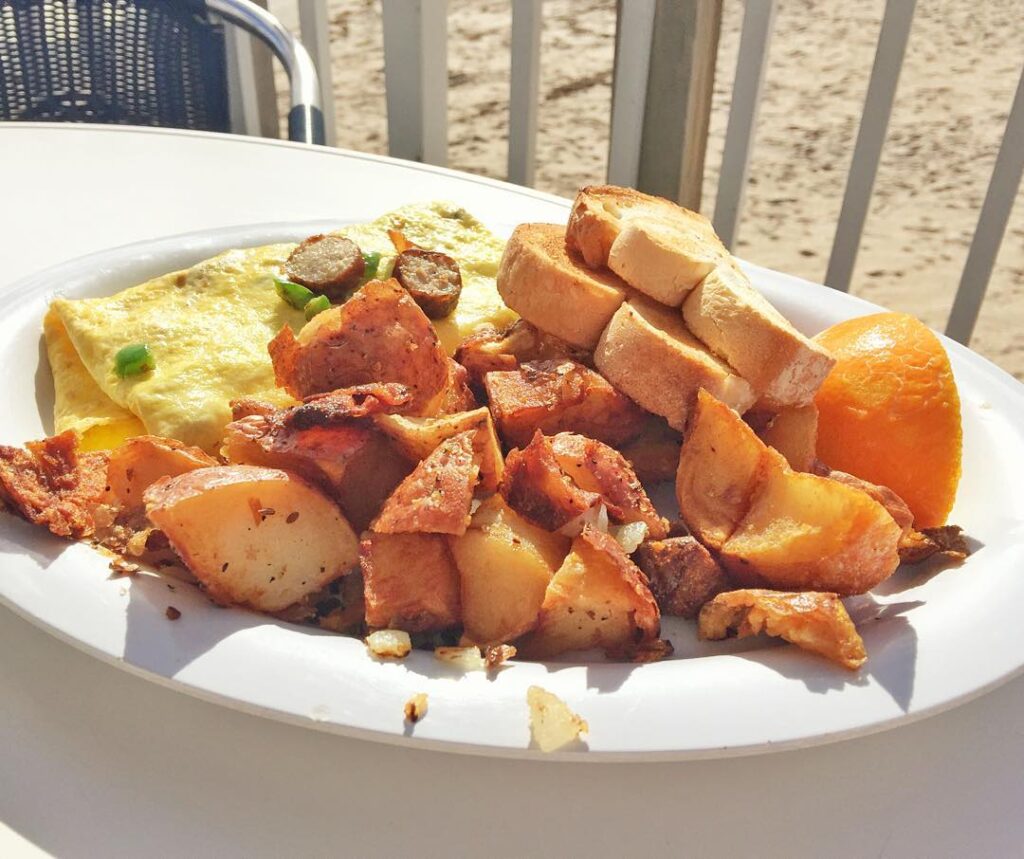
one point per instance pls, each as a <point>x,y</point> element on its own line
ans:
<point>535,486</point>
<point>51,484</point>
<point>378,335</point>
<point>556,396</point>
<point>436,497</point>
<point>682,573</point>
<point>814,621</point>
<point>596,467</point>
<point>352,460</point>
<point>345,404</point>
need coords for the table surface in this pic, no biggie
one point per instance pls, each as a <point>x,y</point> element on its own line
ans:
<point>98,762</point>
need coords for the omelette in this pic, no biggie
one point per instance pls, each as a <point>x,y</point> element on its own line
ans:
<point>207,329</point>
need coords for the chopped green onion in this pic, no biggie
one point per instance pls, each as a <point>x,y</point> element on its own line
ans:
<point>295,294</point>
<point>133,360</point>
<point>316,305</point>
<point>372,261</point>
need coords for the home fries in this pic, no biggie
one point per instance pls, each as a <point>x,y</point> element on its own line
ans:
<point>417,433</point>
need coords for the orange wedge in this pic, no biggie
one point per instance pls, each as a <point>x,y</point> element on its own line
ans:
<point>889,411</point>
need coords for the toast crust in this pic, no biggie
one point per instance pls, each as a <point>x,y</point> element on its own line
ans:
<point>647,353</point>
<point>654,245</point>
<point>738,324</point>
<point>548,285</point>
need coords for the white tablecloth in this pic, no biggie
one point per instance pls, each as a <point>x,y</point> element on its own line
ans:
<point>95,762</point>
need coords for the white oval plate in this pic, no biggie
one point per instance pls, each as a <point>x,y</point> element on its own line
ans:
<point>933,640</point>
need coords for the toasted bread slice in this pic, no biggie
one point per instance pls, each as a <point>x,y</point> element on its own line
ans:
<point>647,353</point>
<point>549,286</point>
<point>654,245</point>
<point>739,325</point>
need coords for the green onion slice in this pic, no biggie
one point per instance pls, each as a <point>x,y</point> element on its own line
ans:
<point>133,360</point>
<point>316,305</point>
<point>295,294</point>
<point>372,261</point>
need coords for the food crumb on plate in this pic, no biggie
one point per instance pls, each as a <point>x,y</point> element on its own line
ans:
<point>172,613</point>
<point>416,707</point>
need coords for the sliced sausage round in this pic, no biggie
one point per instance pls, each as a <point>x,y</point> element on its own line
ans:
<point>328,264</point>
<point>431,278</point>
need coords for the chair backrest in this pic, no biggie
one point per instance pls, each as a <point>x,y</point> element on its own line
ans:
<point>145,62</point>
<point>662,80</point>
<point>136,62</point>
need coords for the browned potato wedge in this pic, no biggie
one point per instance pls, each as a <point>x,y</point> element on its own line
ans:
<point>560,395</point>
<point>521,341</point>
<point>792,431</point>
<point>535,487</point>
<point>597,599</point>
<point>814,621</point>
<point>417,438</point>
<point>378,335</point>
<point>372,473</point>
<point>721,465</point>
<point>595,467</point>
<point>505,565</point>
<point>682,574</point>
<point>805,532</point>
<point>654,454</point>
<point>142,460</point>
<point>436,497</point>
<point>410,582</point>
<point>253,536</point>
<point>457,395</point>
<point>776,527</point>
<point>896,506</point>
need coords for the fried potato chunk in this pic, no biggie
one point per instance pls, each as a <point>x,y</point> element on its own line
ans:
<point>597,599</point>
<point>792,431</point>
<point>683,575</point>
<point>505,565</point>
<point>258,537</point>
<point>144,459</point>
<point>378,335</point>
<point>490,350</point>
<point>410,582</point>
<point>436,497</point>
<point>556,395</point>
<point>774,526</point>
<point>50,483</point>
<point>721,464</point>
<point>417,438</point>
<point>596,467</point>
<point>535,487</point>
<point>817,622</point>
<point>654,454</point>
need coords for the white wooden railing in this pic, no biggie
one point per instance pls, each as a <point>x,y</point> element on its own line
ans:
<point>664,60</point>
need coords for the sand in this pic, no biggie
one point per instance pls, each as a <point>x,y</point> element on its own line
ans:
<point>957,85</point>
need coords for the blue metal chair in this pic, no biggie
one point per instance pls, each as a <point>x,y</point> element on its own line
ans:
<point>140,62</point>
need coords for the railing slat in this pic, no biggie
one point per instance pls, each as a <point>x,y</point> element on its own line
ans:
<point>885,75</point>
<point>633,34</point>
<point>746,99</point>
<point>416,78</point>
<point>315,29</point>
<point>524,86</point>
<point>995,213</point>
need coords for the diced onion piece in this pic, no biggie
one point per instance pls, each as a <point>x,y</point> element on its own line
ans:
<point>629,536</point>
<point>466,658</point>
<point>416,707</point>
<point>595,517</point>
<point>389,643</point>
<point>553,725</point>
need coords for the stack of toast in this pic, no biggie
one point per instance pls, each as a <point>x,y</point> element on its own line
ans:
<point>649,287</point>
